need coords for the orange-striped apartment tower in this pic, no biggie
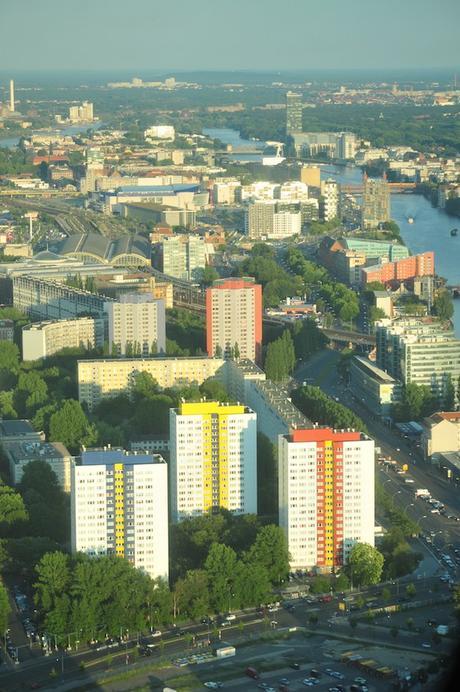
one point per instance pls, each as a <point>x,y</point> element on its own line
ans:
<point>326,495</point>
<point>234,318</point>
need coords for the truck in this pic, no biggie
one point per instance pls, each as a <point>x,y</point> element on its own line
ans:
<point>422,492</point>
<point>252,673</point>
<point>442,630</point>
<point>225,651</point>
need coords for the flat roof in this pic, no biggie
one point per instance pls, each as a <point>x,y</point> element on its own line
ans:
<point>25,450</point>
<point>109,457</point>
<point>377,373</point>
<point>15,427</point>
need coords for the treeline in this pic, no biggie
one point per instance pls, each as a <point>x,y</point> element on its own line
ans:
<point>276,282</point>
<point>298,341</point>
<point>343,301</point>
<point>320,408</point>
<point>226,563</point>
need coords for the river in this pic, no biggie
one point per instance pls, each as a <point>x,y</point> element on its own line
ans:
<point>430,230</point>
<point>10,142</point>
<point>233,137</point>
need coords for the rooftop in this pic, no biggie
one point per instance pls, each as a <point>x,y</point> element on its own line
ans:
<point>378,374</point>
<point>10,428</point>
<point>278,398</point>
<point>108,457</point>
<point>33,450</point>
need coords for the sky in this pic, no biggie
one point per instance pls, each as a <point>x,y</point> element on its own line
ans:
<point>228,34</point>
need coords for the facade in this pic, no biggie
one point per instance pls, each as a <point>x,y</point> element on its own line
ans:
<point>293,112</point>
<point>6,330</point>
<point>21,452</point>
<point>226,192</point>
<point>326,495</point>
<point>119,506</point>
<point>213,463</point>
<point>346,146</point>
<point>329,202</point>
<point>234,318</point>
<point>160,132</point>
<point>401,270</point>
<point>104,378</point>
<point>376,207</point>
<point>441,433</point>
<point>90,248</point>
<point>43,339</point>
<point>419,350</point>
<point>47,300</point>
<point>137,323</point>
<point>81,114</point>
<point>377,390</point>
<point>311,175</point>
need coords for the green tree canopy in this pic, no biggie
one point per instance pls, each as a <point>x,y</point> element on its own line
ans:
<point>70,426</point>
<point>365,564</point>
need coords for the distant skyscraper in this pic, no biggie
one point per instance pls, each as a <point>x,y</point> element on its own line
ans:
<point>12,95</point>
<point>213,459</point>
<point>329,202</point>
<point>293,112</point>
<point>376,202</point>
<point>234,318</point>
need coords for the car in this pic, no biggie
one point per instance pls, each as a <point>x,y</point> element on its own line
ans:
<point>426,645</point>
<point>156,633</point>
<point>263,685</point>
<point>284,681</point>
<point>310,682</point>
<point>315,673</point>
<point>213,685</point>
<point>360,680</point>
<point>434,511</point>
<point>336,674</point>
<point>294,666</point>
<point>328,671</point>
<point>444,578</point>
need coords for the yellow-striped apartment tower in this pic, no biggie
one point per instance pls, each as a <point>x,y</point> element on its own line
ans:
<point>119,506</point>
<point>213,459</point>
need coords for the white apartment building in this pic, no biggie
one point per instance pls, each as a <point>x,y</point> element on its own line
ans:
<point>137,323</point>
<point>160,132</point>
<point>326,495</point>
<point>43,339</point>
<point>102,378</point>
<point>286,224</point>
<point>293,191</point>
<point>119,506</point>
<point>213,462</point>
<point>20,452</point>
<point>264,221</point>
<point>330,200</point>
<point>225,192</point>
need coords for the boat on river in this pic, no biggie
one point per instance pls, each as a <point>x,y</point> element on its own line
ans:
<point>410,219</point>
<point>454,232</point>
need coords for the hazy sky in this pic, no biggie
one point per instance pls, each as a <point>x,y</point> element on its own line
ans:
<point>228,34</point>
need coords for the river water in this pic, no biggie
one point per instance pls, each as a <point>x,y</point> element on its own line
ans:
<point>430,230</point>
<point>10,142</point>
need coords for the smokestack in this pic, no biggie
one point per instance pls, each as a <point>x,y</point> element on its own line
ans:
<point>12,95</point>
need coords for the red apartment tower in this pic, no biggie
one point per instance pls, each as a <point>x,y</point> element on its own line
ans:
<point>234,318</point>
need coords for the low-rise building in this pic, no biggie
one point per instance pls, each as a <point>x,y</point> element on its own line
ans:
<point>6,330</point>
<point>375,388</point>
<point>19,431</point>
<point>441,433</point>
<point>22,452</point>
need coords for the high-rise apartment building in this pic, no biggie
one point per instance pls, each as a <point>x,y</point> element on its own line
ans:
<point>82,114</point>
<point>136,324</point>
<point>326,495</point>
<point>293,112</point>
<point>234,318</point>
<point>213,459</point>
<point>183,257</point>
<point>346,146</point>
<point>268,220</point>
<point>43,339</point>
<point>376,207</point>
<point>119,506</point>
<point>329,202</point>
<point>422,351</point>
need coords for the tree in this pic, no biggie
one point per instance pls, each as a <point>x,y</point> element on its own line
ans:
<point>411,590</point>
<point>342,583</point>
<point>9,356</point>
<point>220,567</point>
<point>208,276</point>
<point>70,426</point>
<point>320,585</point>
<point>365,564</point>
<point>192,594</point>
<point>5,608</point>
<point>12,507</point>
<point>449,394</point>
<point>214,390</point>
<point>386,593</point>
<point>443,305</point>
<point>218,353</point>
<point>267,477</point>
<point>270,551</point>
<point>417,401</point>
<point>52,592</point>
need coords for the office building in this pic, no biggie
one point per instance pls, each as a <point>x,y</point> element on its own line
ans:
<point>234,318</point>
<point>160,132</point>
<point>136,325</point>
<point>43,339</point>
<point>182,256</point>
<point>47,300</point>
<point>326,495</point>
<point>104,378</point>
<point>376,207</point>
<point>311,175</point>
<point>423,351</point>
<point>401,270</point>
<point>293,112</point>
<point>329,202</point>
<point>21,452</point>
<point>346,146</point>
<point>213,463</point>
<point>267,220</point>
<point>376,389</point>
<point>119,506</point>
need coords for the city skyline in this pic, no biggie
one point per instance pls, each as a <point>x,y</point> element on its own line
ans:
<point>251,32</point>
